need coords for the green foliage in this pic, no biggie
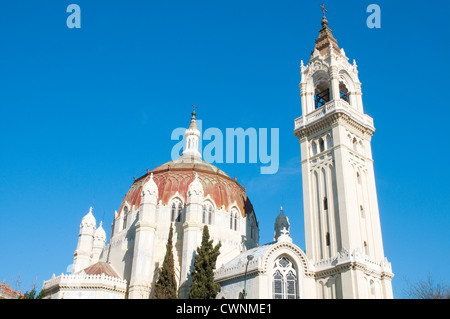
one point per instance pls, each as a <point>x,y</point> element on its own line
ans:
<point>203,285</point>
<point>32,294</point>
<point>166,286</point>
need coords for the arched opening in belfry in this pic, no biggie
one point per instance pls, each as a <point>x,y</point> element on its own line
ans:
<point>322,93</point>
<point>343,92</point>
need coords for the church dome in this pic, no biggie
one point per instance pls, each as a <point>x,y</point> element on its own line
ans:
<point>175,177</point>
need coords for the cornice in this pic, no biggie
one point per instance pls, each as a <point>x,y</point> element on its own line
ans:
<point>338,112</point>
<point>327,121</point>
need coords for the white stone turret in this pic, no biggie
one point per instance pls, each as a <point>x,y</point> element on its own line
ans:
<point>82,256</point>
<point>192,232</point>
<point>149,192</point>
<point>281,225</point>
<point>142,272</point>
<point>98,244</point>
<point>195,192</point>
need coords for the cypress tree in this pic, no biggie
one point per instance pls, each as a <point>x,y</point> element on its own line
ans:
<point>166,286</point>
<point>203,285</point>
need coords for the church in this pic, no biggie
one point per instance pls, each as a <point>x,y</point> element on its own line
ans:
<point>343,257</point>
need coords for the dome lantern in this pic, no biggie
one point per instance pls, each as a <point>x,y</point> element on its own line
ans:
<point>191,137</point>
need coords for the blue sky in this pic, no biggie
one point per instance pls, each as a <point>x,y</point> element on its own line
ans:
<point>83,111</point>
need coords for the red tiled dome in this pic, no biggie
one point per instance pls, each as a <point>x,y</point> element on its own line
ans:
<point>175,176</point>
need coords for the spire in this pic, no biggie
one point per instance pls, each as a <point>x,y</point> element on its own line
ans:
<point>89,219</point>
<point>325,41</point>
<point>192,136</point>
<point>193,125</point>
<point>281,225</point>
<point>100,232</point>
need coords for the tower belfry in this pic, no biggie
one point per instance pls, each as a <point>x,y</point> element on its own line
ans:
<point>342,223</point>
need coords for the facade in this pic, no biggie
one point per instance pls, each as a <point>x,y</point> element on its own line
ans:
<point>344,251</point>
<point>277,270</point>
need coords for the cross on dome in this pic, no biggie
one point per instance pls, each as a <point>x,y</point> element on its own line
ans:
<point>323,9</point>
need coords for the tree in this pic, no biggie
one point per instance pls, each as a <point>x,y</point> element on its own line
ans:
<point>166,286</point>
<point>427,289</point>
<point>203,284</point>
<point>31,294</point>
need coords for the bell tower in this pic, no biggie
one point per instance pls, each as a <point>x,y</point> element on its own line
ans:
<point>342,224</point>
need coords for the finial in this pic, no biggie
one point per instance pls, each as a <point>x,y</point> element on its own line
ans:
<point>323,10</point>
<point>324,19</point>
<point>194,107</point>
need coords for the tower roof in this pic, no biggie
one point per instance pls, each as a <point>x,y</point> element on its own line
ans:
<point>89,219</point>
<point>101,268</point>
<point>325,39</point>
<point>193,124</point>
<point>100,232</point>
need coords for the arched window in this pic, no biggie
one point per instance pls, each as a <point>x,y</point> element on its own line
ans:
<point>343,92</point>
<point>329,142</point>
<point>291,285</point>
<point>207,216</point>
<point>278,292</point>
<point>285,282</point>
<point>234,219</point>
<point>210,213</point>
<point>204,215</point>
<point>314,148</point>
<point>177,209</point>
<point>355,144</point>
<point>174,209</point>
<point>125,215</point>
<point>322,92</point>
<point>321,145</point>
